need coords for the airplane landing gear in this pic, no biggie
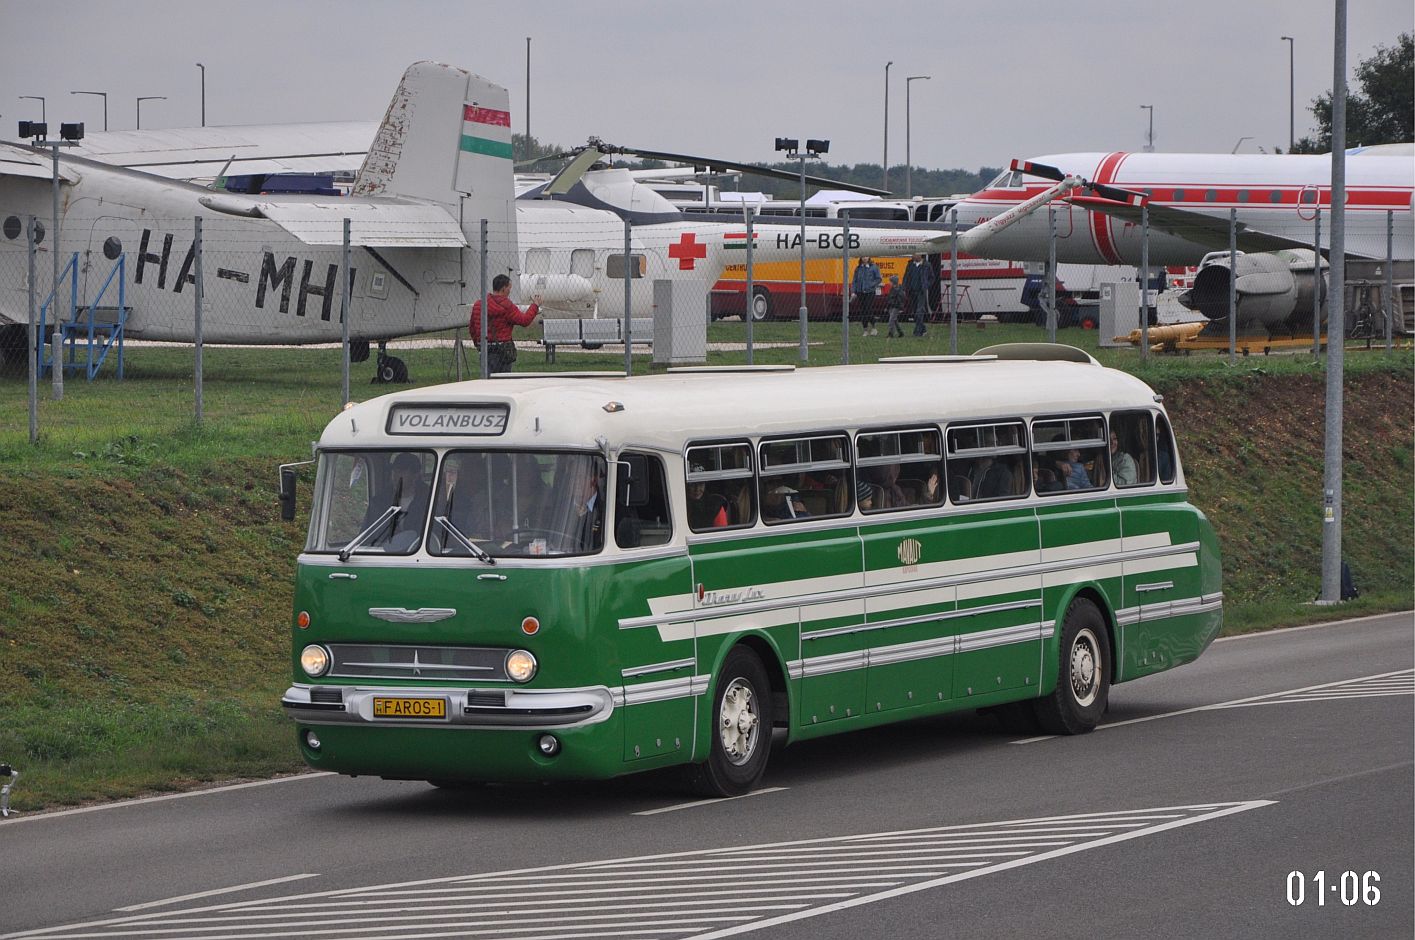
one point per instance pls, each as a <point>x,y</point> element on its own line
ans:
<point>390,369</point>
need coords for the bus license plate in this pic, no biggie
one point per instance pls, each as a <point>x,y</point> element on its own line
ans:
<point>409,707</point>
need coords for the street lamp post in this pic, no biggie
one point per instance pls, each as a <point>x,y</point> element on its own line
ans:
<point>1150,139</point>
<point>528,89</point>
<point>147,98</point>
<point>1291,88</point>
<point>908,156</point>
<point>203,93</point>
<point>814,148</point>
<point>43,119</point>
<point>102,94</point>
<point>886,124</point>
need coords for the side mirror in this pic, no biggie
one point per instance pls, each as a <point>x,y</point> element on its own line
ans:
<point>287,493</point>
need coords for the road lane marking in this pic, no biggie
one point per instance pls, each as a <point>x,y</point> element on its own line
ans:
<point>1277,698</point>
<point>698,893</point>
<point>13,820</point>
<point>697,803</point>
<point>213,892</point>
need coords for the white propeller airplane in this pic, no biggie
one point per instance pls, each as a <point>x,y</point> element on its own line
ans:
<point>1189,197</point>
<point>439,164</point>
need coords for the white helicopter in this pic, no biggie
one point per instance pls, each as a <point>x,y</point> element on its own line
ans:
<point>439,165</point>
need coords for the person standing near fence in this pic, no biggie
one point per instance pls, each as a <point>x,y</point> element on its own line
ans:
<point>502,314</point>
<point>918,279</point>
<point>865,285</point>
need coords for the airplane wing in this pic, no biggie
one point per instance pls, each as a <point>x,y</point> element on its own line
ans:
<point>196,152</point>
<point>972,240</point>
<point>382,224</point>
<point>1210,232</point>
<point>31,163</point>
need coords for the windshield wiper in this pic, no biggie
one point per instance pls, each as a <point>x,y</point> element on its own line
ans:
<point>366,534</point>
<point>477,551</point>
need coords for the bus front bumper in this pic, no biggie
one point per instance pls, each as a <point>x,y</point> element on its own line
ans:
<point>459,707</point>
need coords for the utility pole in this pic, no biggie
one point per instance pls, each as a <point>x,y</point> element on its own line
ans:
<point>886,124</point>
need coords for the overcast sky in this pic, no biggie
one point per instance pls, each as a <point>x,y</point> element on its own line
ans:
<point>1008,80</point>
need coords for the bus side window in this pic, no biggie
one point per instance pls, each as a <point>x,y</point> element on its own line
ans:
<point>1165,442</point>
<point>1132,450</point>
<point>1069,454</point>
<point>719,487</point>
<point>641,514</point>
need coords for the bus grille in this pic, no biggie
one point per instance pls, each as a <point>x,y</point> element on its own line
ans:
<point>465,663</point>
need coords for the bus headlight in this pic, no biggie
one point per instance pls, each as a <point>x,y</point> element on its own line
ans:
<point>520,666</point>
<point>314,660</point>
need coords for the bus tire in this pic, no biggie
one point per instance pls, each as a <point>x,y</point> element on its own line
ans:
<point>761,304</point>
<point>741,728</point>
<point>1077,703</point>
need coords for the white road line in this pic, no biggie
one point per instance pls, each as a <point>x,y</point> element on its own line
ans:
<point>213,892</point>
<point>1311,626</point>
<point>120,804</point>
<point>1251,700</point>
<point>977,872</point>
<point>697,803</point>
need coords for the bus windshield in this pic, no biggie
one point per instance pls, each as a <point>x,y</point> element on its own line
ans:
<point>518,504</point>
<point>521,504</point>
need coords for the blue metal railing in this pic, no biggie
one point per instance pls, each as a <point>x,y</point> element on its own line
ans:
<point>101,335</point>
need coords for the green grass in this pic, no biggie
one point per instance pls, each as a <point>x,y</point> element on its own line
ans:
<point>145,577</point>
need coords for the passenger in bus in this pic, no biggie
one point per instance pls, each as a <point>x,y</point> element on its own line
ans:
<point>865,496</point>
<point>782,502</point>
<point>705,510</point>
<point>408,490</point>
<point>589,510</point>
<point>1072,471</point>
<point>930,495</point>
<point>1122,465</point>
<point>990,479</point>
<point>891,495</point>
<point>893,307</point>
<point>1045,480</point>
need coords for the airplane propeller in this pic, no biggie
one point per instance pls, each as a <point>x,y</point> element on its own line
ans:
<point>595,149</point>
<point>1113,193</point>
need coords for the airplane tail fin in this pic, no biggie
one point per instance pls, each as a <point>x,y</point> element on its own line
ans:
<point>446,138</point>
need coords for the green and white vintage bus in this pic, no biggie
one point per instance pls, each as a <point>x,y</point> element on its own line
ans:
<point>579,576</point>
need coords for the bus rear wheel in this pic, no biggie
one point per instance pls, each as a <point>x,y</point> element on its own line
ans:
<point>741,732</point>
<point>761,304</point>
<point>1077,703</point>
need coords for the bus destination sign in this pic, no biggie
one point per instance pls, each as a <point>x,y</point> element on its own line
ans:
<point>448,420</point>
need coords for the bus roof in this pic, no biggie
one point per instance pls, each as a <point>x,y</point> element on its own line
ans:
<point>665,411</point>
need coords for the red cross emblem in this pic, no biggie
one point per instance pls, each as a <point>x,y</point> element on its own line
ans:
<point>687,250</point>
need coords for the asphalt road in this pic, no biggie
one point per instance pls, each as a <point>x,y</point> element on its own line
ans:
<point>1184,815</point>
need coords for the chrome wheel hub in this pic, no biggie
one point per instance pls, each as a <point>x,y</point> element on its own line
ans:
<point>738,722</point>
<point>1085,680</point>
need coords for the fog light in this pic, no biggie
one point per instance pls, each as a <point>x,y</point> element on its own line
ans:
<point>520,666</point>
<point>549,745</point>
<point>314,660</point>
<point>312,740</point>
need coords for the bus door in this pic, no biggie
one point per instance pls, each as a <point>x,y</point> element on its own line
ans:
<point>908,619</point>
<point>1070,459</point>
<point>1158,584</point>
<point>656,660</point>
<point>997,623</point>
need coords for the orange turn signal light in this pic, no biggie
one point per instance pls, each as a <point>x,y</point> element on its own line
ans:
<point>530,626</point>
<point>302,619</point>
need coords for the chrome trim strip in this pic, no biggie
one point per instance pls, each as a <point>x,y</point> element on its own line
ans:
<point>1157,586</point>
<point>837,662</point>
<point>920,618</point>
<point>415,668</point>
<point>545,708</point>
<point>673,666</point>
<point>880,590</point>
<point>986,639</point>
<point>907,652</point>
<point>404,615</point>
<point>1130,616</point>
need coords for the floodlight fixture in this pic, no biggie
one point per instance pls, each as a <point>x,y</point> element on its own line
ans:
<point>788,144</point>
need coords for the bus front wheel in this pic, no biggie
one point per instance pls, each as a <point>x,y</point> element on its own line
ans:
<point>761,304</point>
<point>741,733</point>
<point>1077,703</point>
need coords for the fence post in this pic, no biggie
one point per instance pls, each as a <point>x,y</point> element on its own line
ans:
<point>845,291</point>
<point>197,297</point>
<point>344,260</point>
<point>751,299</point>
<point>1145,281</point>
<point>483,346</point>
<point>628,295</point>
<point>953,287</point>
<point>1389,294</point>
<point>1232,286</point>
<point>33,339</point>
<point>1317,286</point>
<point>1051,273</point>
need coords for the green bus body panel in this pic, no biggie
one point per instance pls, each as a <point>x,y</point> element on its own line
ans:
<point>879,619</point>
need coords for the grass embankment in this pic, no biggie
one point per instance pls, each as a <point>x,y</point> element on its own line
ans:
<point>145,578</point>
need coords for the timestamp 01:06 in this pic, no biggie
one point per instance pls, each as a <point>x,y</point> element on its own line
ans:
<point>1350,887</point>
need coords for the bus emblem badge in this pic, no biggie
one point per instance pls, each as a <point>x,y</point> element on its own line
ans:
<point>910,551</point>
